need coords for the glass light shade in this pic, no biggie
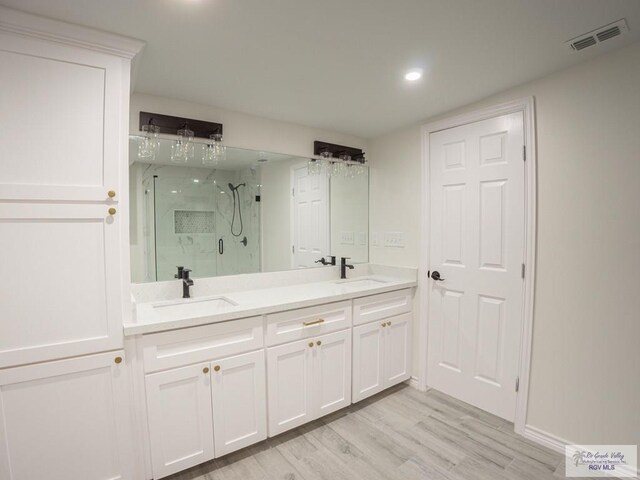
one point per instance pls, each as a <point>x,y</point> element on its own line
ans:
<point>214,152</point>
<point>182,150</point>
<point>149,143</point>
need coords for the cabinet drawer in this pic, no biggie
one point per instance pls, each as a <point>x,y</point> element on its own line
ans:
<point>377,307</point>
<point>191,345</point>
<point>306,322</point>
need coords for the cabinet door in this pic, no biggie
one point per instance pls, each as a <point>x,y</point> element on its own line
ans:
<point>332,372</point>
<point>75,100</point>
<point>180,418</point>
<point>65,420</point>
<point>60,281</point>
<point>368,366</point>
<point>239,402</point>
<point>289,375</point>
<point>397,355</point>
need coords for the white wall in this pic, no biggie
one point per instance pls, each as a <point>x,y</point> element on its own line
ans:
<point>243,130</point>
<point>585,377</point>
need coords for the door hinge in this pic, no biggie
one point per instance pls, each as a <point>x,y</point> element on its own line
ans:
<point>523,270</point>
<point>524,153</point>
<point>517,384</point>
<point>293,249</point>
<point>293,192</point>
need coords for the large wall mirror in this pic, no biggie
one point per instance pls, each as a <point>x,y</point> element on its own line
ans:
<point>252,212</point>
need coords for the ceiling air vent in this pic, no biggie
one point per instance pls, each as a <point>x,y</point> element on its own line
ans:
<point>598,35</point>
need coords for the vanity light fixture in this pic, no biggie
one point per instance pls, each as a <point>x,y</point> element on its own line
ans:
<point>413,75</point>
<point>336,160</point>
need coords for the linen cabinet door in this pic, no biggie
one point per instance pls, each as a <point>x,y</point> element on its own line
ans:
<point>289,379</point>
<point>180,418</point>
<point>368,358</point>
<point>397,355</point>
<point>60,281</point>
<point>239,402</point>
<point>68,419</point>
<point>75,99</point>
<point>332,372</point>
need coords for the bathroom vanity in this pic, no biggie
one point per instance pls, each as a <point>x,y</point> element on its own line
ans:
<point>216,373</point>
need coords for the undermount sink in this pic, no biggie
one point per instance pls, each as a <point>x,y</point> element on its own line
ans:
<point>194,307</point>
<point>362,282</point>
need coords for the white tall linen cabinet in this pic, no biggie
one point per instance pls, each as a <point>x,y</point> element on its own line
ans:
<point>64,274</point>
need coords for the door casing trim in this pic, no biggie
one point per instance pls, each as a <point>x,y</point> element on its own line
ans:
<point>527,107</point>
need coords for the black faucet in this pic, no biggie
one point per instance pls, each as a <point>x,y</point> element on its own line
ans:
<point>324,260</point>
<point>186,283</point>
<point>344,266</point>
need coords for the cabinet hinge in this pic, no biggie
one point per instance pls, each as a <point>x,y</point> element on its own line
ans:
<point>524,153</point>
<point>517,384</point>
<point>523,270</point>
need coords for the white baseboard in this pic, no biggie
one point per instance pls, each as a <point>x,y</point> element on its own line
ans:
<point>413,382</point>
<point>558,444</point>
<point>545,439</point>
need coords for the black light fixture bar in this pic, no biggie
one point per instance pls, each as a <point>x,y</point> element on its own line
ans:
<point>171,125</point>
<point>356,154</point>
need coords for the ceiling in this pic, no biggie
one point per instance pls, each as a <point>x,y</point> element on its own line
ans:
<point>340,64</point>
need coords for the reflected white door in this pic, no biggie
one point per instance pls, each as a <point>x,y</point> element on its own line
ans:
<point>477,247</point>
<point>310,222</point>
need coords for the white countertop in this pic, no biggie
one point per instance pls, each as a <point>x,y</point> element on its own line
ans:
<point>150,318</point>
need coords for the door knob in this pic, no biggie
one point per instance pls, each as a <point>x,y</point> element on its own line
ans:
<point>436,276</point>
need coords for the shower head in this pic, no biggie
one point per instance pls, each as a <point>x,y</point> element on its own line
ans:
<point>233,189</point>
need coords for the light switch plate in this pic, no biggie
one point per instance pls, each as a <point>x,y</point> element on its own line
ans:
<point>374,239</point>
<point>347,238</point>
<point>394,239</point>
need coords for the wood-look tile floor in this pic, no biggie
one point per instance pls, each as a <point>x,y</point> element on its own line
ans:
<point>399,434</point>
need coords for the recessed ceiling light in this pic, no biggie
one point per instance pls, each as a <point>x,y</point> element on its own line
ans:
<point>413,75</point>
<point>195,180</point>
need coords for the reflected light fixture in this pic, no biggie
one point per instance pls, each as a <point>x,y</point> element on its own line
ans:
<point>215,151</point>
<point>149,142</point>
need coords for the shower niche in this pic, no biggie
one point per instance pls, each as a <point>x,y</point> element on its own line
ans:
<point>239,216</point>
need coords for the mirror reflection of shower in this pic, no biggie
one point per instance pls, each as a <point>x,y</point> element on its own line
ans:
<point>237,207</point>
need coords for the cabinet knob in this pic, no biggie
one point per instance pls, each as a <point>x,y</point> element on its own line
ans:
<point>388,324</point>
<point>112,211</point>
<point>384,324</point>
<point>318,343</point>
<point>310,344</point>
<point>216,368</point>
<point>118,360</point>
<point>205,370</point>
<point>111,193</point>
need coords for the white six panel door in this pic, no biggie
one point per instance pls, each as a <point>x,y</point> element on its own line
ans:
<point>239,402</point>
<point>66,419</point>
<point>180,418</point>
<point>311,235</point>
<point>477,246</point>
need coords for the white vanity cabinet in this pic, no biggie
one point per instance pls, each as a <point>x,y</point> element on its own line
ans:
<point>382,346</point>
<point>213,389</point>
<point>209,408</point>
<point>311,376</point>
